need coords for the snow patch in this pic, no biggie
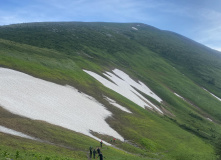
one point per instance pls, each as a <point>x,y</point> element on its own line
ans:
<point>140,86</point>
<point>64,106</point>
<point>111,101</point>
<point>209,119</point>
<point>190,103</point>
<point>124,85</point>
<point>15,133</point>
<point>179,96</point>
<point>212,94</point>
<point>134,28</point>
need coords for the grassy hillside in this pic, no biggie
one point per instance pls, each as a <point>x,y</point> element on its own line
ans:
<point>164,61</point>
<point>198,62</point>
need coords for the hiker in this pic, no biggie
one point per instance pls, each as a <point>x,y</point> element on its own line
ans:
<point>101,156</point>
<point>98,150</point>
<point>101,143</point>
<point>94,153</point>
<point>114,140</point>
<point>90,151</point>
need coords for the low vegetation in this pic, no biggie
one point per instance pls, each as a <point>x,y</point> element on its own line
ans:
<point>164,61</point>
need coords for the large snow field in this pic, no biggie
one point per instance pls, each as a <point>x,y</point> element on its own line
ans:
<point>123,85</point>
<point>64,106</point>
<point>15,133</point>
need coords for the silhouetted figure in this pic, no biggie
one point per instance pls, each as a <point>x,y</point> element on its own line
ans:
<point>101,156</point>
<point>101,143</point>
<point>90,151</point>
<point>94,153</point>
<point>98,150</point>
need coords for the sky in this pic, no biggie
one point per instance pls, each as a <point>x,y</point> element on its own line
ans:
<point>199,20</point>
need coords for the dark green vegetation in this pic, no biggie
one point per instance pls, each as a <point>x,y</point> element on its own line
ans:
<point>164,61</point>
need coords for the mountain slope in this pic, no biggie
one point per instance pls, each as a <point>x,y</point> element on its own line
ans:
<point>166,62</point>
<point>191,58</point>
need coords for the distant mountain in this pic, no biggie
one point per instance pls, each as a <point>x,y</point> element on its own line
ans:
<point>162,91</point>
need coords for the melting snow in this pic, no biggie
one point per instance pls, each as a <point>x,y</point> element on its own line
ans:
<point>59,105</point>
<point>15,133</point>
<point>179,96</point>
<point>134,28</point>
<point>123,85</point>
<point>213,95</point>
<point>190,103</point>
<point>111,101</point>
<point>209,119</point>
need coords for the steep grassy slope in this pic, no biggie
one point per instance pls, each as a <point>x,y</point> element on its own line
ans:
<point>198,62</point>
<point>59,51</point>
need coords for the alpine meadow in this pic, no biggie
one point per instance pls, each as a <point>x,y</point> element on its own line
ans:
<point>65,86</point>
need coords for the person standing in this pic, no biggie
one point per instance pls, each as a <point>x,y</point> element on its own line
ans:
<point>90,151</point>
<point>98,150</point>
<point>101,156</point>
<point>101,143</point>
<point>94,153</point>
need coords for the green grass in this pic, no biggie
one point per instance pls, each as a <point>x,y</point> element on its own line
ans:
<point>183,133</point>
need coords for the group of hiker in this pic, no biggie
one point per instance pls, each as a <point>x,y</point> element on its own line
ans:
<point>97,151</point>
<point>113,140</point>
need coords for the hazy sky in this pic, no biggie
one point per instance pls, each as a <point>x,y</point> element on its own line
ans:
<point>199,20</point>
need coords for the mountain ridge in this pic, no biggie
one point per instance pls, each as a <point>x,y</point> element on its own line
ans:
<point>159,59</point>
